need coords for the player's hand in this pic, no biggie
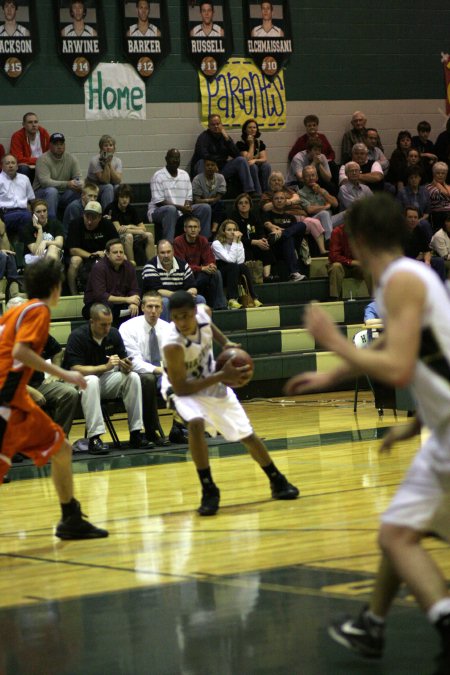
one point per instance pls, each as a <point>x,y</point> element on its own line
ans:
<point>304,383</point>
<point>72,377</point>
<point>400,433</point>
<point>235,375</point>
<point>321,326</point>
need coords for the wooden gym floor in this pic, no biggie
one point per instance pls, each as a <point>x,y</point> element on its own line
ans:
<point>249,591</point>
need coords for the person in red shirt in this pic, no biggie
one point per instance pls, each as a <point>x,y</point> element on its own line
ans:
<point>311,123</point>
<point>24,427</point>
<point>196,251</point>
<point>342,263</point>
<point>29,143</point>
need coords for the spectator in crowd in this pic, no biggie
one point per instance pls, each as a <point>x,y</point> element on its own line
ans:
<point>422,143</point>
<point>442,145</point>
<point>75,209</point>
<point>285,234</point>
<point>318,202</point>
<point>418,243</point>
<point>230,256</point>
<point>16,194</point>
<point>371,171</point>
<point>143,27</point>
<point>415,194</point>
<point>311,123</point>
<point>96,351</point>
<point>254,239</point>
<point>8,267</point>
<point>440,243</point>
<point>196,251</point>
<point>398,161</point>
<point>216,144</point>
<point>254,150</point>
<point>143,336</point>
<point>86,243</point>
<point>2,152</point>
<point>43,236</point>
<point>352,189</point>
<point>294,208</point>
<point>58,176</point>
<point>356,134</point>
<point>29,143</point>
<point>112,282</point>
<point>209,187</point>
<point>167,274</point>
<point>439,191</point>
<point>105,170</point>
<point>343,264</point>
<point>375,154</point>
<point>172,199</point>
<point>312,156</point>
<point>78,27</point>
<point>129,226</point>
<point>12,29</point>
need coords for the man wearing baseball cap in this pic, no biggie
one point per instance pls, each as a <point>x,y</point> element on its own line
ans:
<point>86,243</point>
<point>58,176</point>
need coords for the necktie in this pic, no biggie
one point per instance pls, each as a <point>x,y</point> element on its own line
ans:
<point>155,356</point>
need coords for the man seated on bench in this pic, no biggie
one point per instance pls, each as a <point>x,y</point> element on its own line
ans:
<point>96,350</point>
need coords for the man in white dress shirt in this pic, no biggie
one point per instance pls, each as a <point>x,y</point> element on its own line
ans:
<point>142,336</point>
<point>15,195</point>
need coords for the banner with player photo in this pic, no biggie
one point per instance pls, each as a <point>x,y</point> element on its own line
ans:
<point>209,36</point>
<point>445,60</point>
<point>268,34</point>
<point>146,38</point>
<point>18,37</point>
<point>80,35</point>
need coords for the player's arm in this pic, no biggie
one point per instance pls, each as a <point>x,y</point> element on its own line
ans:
<point>395,362</point>
<point>176,372</point>
<point>23,353</point>
<point>399,433</point>
<point>219,337</point>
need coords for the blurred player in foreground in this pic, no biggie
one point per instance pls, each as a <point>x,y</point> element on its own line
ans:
<point>24,427</point>
<point>414,350</point>
<point>202,399</point>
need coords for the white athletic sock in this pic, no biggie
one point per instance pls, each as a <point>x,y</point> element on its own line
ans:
<point>439,609</point>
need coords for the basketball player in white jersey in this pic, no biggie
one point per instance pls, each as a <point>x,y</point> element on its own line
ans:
<point>267,28</point>
<point>204,402</point>
<point>414,351</point>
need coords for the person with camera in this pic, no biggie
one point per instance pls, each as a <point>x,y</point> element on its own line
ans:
<point>86,243</point>
<point>105,170</point>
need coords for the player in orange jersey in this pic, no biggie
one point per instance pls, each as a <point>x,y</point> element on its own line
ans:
<point>24,427</point>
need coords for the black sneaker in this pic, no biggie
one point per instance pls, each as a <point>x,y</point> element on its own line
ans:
<point>178,434</point>
<point>138,441</point>
<point>159,441</point>
<point>361,635</point>
<point>97,447</point>
<point>76,527</point>
<point>210,503</point>
<point>282,489</point>
<point>443,660</point>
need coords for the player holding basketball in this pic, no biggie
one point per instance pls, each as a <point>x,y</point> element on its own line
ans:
<point>202,399</point>
<point>24,427</point>
<point>415,350</point>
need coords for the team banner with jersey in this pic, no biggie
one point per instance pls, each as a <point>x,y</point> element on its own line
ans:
<point>445,59</point>
<point>209,36</point>
<point>146,39</point>
<point>18,37</point>
<point>241,91</point>
<point>268,34</point>
<point>80,35</point>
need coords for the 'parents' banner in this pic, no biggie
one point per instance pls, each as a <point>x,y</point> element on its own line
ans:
<point>241,91</point>
<point>114,90</point>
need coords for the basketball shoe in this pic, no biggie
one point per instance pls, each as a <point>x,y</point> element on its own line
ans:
<point>74,526</point>
<point>282,489</point>
<point>362,635</point>
<point>210,502</point>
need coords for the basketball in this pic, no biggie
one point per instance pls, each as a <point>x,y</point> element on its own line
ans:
<point>240,358</point>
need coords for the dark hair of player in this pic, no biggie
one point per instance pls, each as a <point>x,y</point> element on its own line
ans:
<point>378,222</point>
<point>181,299</point>
<point>42,277</point>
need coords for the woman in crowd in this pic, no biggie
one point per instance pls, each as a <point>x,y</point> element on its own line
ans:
<point>105,170</point>
<point>398,161</point>
<point>129,226</point>
<point>254,240</point>
<point>254,150</point>
<point>230,257</point>
<point>439,191</point>
<point>44,237</point>
<point>415,194</point>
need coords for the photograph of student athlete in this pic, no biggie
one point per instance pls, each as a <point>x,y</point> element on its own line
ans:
<point>207,28</point>
<point>267,28</point>
<point>143,27</point>
<point>78,28</point>
<point>11,28</point>
<point>203,400</point>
